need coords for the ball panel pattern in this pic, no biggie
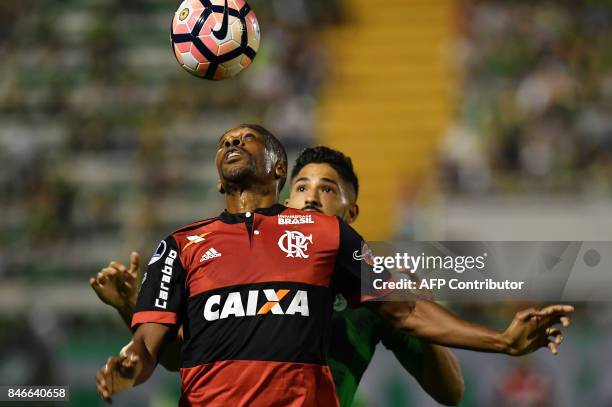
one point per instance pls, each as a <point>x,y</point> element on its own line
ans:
<point>213,42</point>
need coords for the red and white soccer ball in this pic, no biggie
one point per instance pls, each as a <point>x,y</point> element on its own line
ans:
<point>215,39</point>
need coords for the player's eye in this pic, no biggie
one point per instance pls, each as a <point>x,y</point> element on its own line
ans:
<point>300,188</point>
<point>248,137</point>
<point>328,189</point>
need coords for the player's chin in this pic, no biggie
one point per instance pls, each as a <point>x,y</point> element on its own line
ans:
<point>237,170</point>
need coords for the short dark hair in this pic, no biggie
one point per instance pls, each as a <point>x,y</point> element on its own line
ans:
<point>272,145</point>
<point>325,155</point>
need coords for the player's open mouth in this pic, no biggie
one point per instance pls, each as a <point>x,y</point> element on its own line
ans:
<point>232,155</point>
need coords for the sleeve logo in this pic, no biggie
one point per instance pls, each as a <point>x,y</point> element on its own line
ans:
<point>166,278</point>
<point>159,252</point>
<point>366,254</point>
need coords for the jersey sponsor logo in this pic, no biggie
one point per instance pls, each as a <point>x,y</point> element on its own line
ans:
<point>164,288</point>
<point>195,239</point>
<point>159,252</point>
<point>294,219</point>
<point>210,254</point>
<point>234,306</point>
<point>294,243</point>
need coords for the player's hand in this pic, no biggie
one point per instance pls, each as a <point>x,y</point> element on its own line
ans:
<point>532,329</point>
<point>119,374</point>
<point>116,285</point>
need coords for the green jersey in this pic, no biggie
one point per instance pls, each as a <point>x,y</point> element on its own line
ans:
<point>355,334</point>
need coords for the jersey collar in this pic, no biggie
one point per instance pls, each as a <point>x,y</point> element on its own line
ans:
<point>273,210</point>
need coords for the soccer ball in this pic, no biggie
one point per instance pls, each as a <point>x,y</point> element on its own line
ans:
<point>215,39</point>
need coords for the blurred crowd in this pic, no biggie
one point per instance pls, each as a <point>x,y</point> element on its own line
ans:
<point>534,112</point>
<point>106,143</point>
<point>106,146</point>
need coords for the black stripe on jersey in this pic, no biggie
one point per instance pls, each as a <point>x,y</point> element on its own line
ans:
<point>219,328</point>
<point>163,284</point>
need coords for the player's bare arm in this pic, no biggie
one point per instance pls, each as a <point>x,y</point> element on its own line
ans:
<point>135,363</point>
<point>530,330</point>
<point>441,377</point>
<point>117,286</point>
<point>435,367</point>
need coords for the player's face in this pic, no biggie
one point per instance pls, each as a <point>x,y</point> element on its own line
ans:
<point>318,187</point>
<point>241,155</point>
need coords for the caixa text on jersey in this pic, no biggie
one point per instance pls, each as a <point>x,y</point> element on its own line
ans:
<point>233,306</point>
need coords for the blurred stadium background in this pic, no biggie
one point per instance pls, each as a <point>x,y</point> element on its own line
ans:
<point>469,120</point>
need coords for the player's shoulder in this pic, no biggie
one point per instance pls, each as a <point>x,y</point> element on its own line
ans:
<point>196,228</point>
<point>194,232</point>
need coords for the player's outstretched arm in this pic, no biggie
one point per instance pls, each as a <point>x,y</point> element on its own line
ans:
<point>435,367</point>
<point>135,363</point>
<point>117,286</point>
<point>530,329</point>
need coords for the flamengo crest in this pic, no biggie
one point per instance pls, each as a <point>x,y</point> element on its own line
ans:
<point>294,243</point>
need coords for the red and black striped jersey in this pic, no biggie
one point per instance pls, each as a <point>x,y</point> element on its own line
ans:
<point>254,293</point>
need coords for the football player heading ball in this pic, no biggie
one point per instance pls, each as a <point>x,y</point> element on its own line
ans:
<point>233,353</point>
<point>323,180</point>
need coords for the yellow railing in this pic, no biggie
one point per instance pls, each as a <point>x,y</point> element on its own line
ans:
<point>389,99</point>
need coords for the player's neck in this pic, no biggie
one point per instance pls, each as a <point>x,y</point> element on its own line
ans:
<point>247,200</point>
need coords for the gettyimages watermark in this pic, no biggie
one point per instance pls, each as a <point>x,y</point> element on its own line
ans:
<point>487,271</point>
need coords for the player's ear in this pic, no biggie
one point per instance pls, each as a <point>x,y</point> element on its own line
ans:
<point>280,169</point>
<point>220,187</point>
<point>352,213</point>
